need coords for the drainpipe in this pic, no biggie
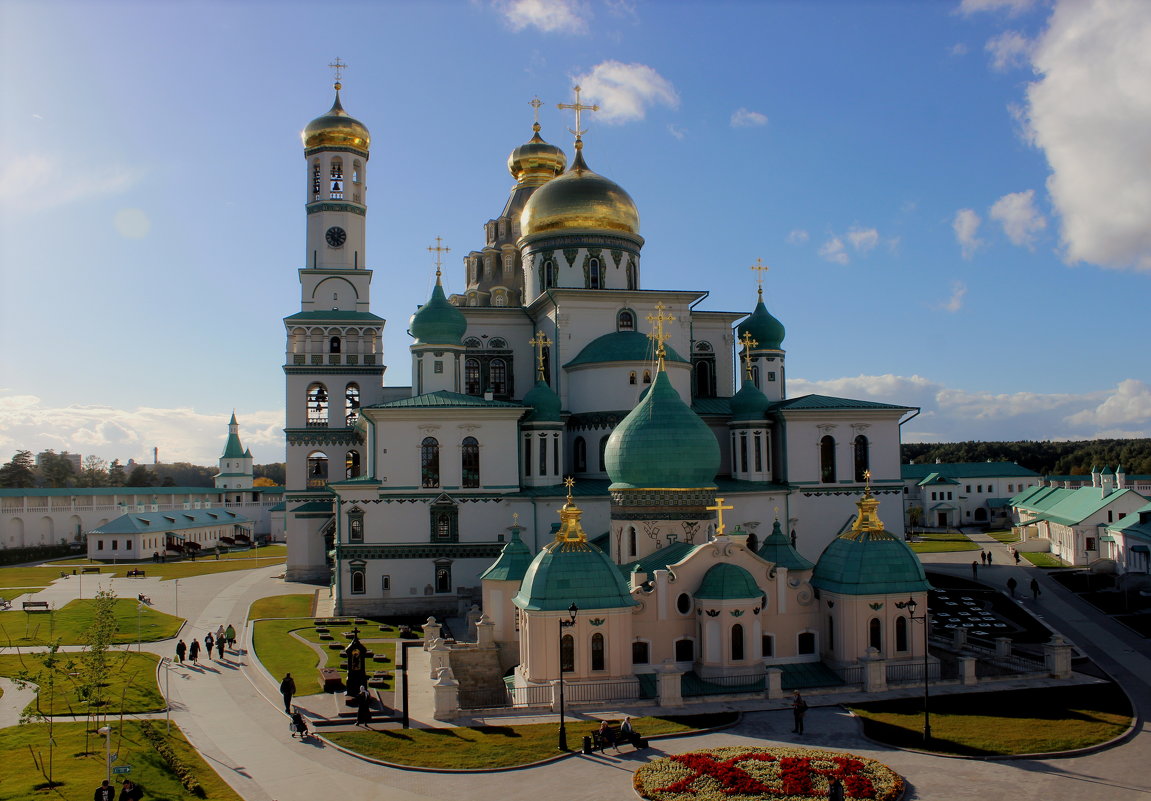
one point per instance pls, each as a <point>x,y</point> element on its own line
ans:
<point>556,342</point>
<point>339,609</point>
<point>903,498</point>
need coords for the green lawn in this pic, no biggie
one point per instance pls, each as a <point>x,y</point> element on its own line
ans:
<point>1004,723</point>
<point>1006,537</point>
<point>8,593</point>
<point>497,746</point>
<point>282,653</point>
<point>282,606</point>
<point>1043,559</point>
<point>68,624</point>
<point>130,683</point>
<point>942,542</point>
<point>81,773</point>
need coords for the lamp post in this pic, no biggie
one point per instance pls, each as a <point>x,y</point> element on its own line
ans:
<point>107,732</point>
<point>167,663</point>
<point>139,607</point>
<point>910,605</point>
<point>564,624</point>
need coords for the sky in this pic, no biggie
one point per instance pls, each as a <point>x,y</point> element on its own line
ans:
<point>953,197</point>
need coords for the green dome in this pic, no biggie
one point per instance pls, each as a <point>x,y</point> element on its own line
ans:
<point>749,403</point>
<point>545,404</point>
<point>572,571</point>
<point>867,560</point>
<point>662,444</point>
<point>622,346</point>
<point>767,331</point>
<point>512,563</point>
<point>725,582</point>
<point>438,322</point>
<point>777,549</point>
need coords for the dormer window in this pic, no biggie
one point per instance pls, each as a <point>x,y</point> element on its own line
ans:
<point>625,321</point>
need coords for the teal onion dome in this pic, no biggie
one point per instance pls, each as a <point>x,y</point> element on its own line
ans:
<point>438,322</point>
<point>662,444</point>
<point>564,572</point>
<point>726,581</point>
<point>749,403</point>
<point>767,331</point>
<point>544,402</point>
<point>778,550</point>
<point>513,562</point>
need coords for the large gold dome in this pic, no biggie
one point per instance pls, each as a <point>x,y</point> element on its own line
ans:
<point>336,129</point>
<point>579,199</point>
<point>536,161</point>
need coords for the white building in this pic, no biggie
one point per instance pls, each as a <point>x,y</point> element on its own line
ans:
<point>945,495</point>
<point>140,535</point>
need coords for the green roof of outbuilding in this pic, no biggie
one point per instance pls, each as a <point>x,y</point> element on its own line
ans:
<point>778,550</point>
<point>621,346</point>
<point>513,561</point>
<point>334,316</point>
<point>933,479</point>
<point>711,406</point>
<point>827,402</point>
<point>314,506</point>
<point>438,322</point>
<point>151,522</point>
<point>567,572</point>
<point>1079,504</point>
<point>966,470</point>
<point>766,330</point>
<point>659,560</point>
<point>443,398</point>
<point>725,581</point>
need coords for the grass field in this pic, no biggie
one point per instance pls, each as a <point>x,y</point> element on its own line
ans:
<point>1043,559</point>
<point>8,593</point>
<point>1006,537</point>
<point>130,684</point>
<point>1004,723</point>
<point>282,606</point>
<point>80,774</point>
<point>497,746</point>
<point>281,653</point>
<point>942,542</point>
<point>68,624</point>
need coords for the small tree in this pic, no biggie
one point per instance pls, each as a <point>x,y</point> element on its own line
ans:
<point>94,658</point>
<point>140,477</point>
<point>95,472</point>
<point>56,469</point>
<point>20,473</point>
<point>116,475</point>
<point>50,667</point>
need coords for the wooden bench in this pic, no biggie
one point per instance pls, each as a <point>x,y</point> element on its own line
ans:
<point>35,605</point>
<point>135,573</point>
<point>90,570</point>
<point>331,679</point>
<point>598,743</point>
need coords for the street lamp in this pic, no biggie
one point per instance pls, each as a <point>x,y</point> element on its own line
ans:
<point>107,732</point>
<point>139,608</point>
<point>564,624</point>
<point>910,605</point>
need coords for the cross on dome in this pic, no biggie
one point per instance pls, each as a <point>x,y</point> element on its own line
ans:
<point>760,268</point>
<point>748,343</point>
<point>577,107</point>
<point>719,509</point>
<point>539,342</point>
<point>438,250</point>
<point>658,335</point>
<point>337,67</point>
<point>535,104</point>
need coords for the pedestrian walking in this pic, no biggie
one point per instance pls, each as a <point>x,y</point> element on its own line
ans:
<point>983,557</point>
<point>288,689</point>
<point>181,651</point>
<point>105,792</point>
<point>798,710</point>
<point>364,710</point>
<point>220,635</point>
<point>194,652</point>
<point>835,790</point>
<point>989,557</point>
<point>131,791</point>
<point>1035,589</point>
<point>1015,553</point>
<point>209,643</point>
<point>220,647</point>
<point>974,569</point>
<point>1011,585</point>
<point>230,633</point>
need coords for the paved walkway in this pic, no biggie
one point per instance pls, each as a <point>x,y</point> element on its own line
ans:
<point>231,711</point>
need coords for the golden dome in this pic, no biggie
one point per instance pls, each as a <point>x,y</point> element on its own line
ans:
<point>579,199</point>
<point>336,129</point>
<point>536,161</point>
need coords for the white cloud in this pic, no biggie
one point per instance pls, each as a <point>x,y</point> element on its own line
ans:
<point>1020,219</point>
<point>548,16</point>
<point>743,118</point>
<point>834,251</point>
<point>1012,7</point>
<point>797,236</point>
<point>1008,49</point>
<point>1090,113</point>
<point>955,302</point>
<point>1129,405</point>
<point>676,131</point>
<point>863,239</point>
<point>966,227</point>
<point>624,92</point>
<point>35,182</point>
<point>958,49</point>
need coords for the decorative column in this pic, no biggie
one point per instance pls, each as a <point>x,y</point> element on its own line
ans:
<point>774,683</point>
<point>1057,656</point>
<point>874,672</point>
<point>670,687</point>
<point>431,632</point>
<point>446,691</point>
<point>967,671</point>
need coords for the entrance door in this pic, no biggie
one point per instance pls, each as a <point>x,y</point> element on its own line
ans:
<point>942,520</point>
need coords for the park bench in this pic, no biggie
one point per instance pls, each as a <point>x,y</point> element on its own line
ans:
<point>598,743</point>
<point>90,570</point>
<point>136,573</point>
<point>35,605</point>
<point>330,678</point>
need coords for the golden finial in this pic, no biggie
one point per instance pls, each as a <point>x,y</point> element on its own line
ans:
<point>338,67</point>
<point>535,104</point>
<point>577,107</point>
<point>867,482</point>
<point>760,268</point>
<point>539,342</point>
<point>515,519</point>
<point>569,482</point>
<point>570,530</point>
<point>438,250</point>
<point>658,335</point>
<point>719,509</point>
<point>776,510</point>
<point>748,343</point>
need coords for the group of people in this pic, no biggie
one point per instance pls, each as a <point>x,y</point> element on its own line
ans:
<point>1012,585</point>
<point>223,638</point>
<point>606,735</point>
<point>129,791</point>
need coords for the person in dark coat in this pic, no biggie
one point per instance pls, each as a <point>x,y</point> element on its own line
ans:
<point>364,710</point>
<point>288,689</point>
<point>194,652</point>
<point>181,651</point>
<point>1011,585</point>
<point>835,790</point>
<point>230,633</point>
<point>131,791</point>
<point>1035,589</point>
<point>105,792</point>
<point>798,710</point>
<point>209,641</point>
<point>220,647</point>
<point>974,570</point>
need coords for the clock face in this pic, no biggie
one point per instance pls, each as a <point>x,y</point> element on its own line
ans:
<point>336,237</point>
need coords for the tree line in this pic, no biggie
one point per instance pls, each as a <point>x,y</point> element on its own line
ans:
<point>1043,456</point>
<point>58,471</point>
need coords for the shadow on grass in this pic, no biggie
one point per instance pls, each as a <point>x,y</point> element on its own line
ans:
<point>506,731</point>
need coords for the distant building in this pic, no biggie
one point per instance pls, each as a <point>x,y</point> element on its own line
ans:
<point>139,535</point>
<point>236,461</point>
<point>76,459</point>
<point>963,493</point>
<point>1128,541</point>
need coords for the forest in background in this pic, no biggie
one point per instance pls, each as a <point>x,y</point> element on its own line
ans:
<point>57,471</point>
<point>1044,457</point>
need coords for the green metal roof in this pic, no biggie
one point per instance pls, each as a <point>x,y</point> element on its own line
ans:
<point>961,470</point>
<point>659,560</point>
<point>827,402</point>
<point>566,572</point>
<point>711,406</point>
<point>152,522</point>
<point>725,582</point>
<point>513,562</point>
<point>621,346</point>
<point>135,491</point>
<point>868,561</point>
<point>314,506</point>
<point>544,402</point>
<point>767,331</point>
<point>438,322</point>
<point>334,316</point>
<point>442,399</point>
<point>777,549</point>
<point>749,403</point>
<point>933,479</point>
<point>1079,504</point>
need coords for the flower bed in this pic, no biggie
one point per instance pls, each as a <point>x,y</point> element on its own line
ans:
<point>743,773</point>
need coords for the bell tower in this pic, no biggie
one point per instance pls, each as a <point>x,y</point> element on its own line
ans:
<point>334,356</point>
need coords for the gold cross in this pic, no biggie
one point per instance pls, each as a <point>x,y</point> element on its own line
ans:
<point>577,107</point>
<point>535,104</point>
<point>719,509</point>
<point>438,250</point>
<point>569,482</point>
<point>338,66</point>
<point>539,342</point>
<point>760,268</point>
<point>515,519</point>
<point>748,343</point>
<point>658,335</point>
<point>867,481</point>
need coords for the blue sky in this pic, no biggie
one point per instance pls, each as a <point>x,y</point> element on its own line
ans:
<point>953,196</point>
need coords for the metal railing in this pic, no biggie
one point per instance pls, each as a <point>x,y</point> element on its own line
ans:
<point>750,683</point>
<point>602,691</point>
<point>851,674</point>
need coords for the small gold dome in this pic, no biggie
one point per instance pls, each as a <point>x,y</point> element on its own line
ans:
<point>336,129</point>
<point>536,161</point>
<point>579,199</point>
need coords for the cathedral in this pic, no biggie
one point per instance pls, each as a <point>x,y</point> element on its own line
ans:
<point>556,363</point>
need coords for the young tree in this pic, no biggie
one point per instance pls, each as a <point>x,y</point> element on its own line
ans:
<point>95,473</point>
<point>116,475</point>
<point>56,469</point>
<point>140,477</point>
<point>19,473</point>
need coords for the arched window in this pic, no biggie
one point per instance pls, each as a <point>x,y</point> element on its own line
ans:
<point>470,462</point>
<point>356,525</point>
<point>805,643</point>
<point>704,380</point>
<point>684,650</point>
<point>639,653</point>
<point>580,455</point>
<point>758,452</point>
<point>630,270</point>
<point>647,376</point>
<point>430,463</point>
<point>603,453</point>
<point>317,469</point>
<point>357,581</point>
<point>598,662</point>
<point>334,345</point>
<point>471,376</point>
<point>594,274</point>
<point>497,343</point>
<point>472,342</point>
<point>632,548</point>
<point>443,578</point>
<point>337,179</point>
<point>625,320</point>
<point>901,634</point>
<point>631,378</point>
<point>743,451</point>
<point>543,454</point>
<point>498,376</point>
<point>737,643</point>
<point>351,404</point>
<point>827,459</point>
<point>356,170</point>
<point>527,454</point>
<point>444,517</point>
<point>875,634</point>
<point>316,179</point>
<point>767,645</point>
<point>549,275</point>
<point>567,653</point>
<point>351,464</point>
<point>862,450</point>
<point>317,406</point>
